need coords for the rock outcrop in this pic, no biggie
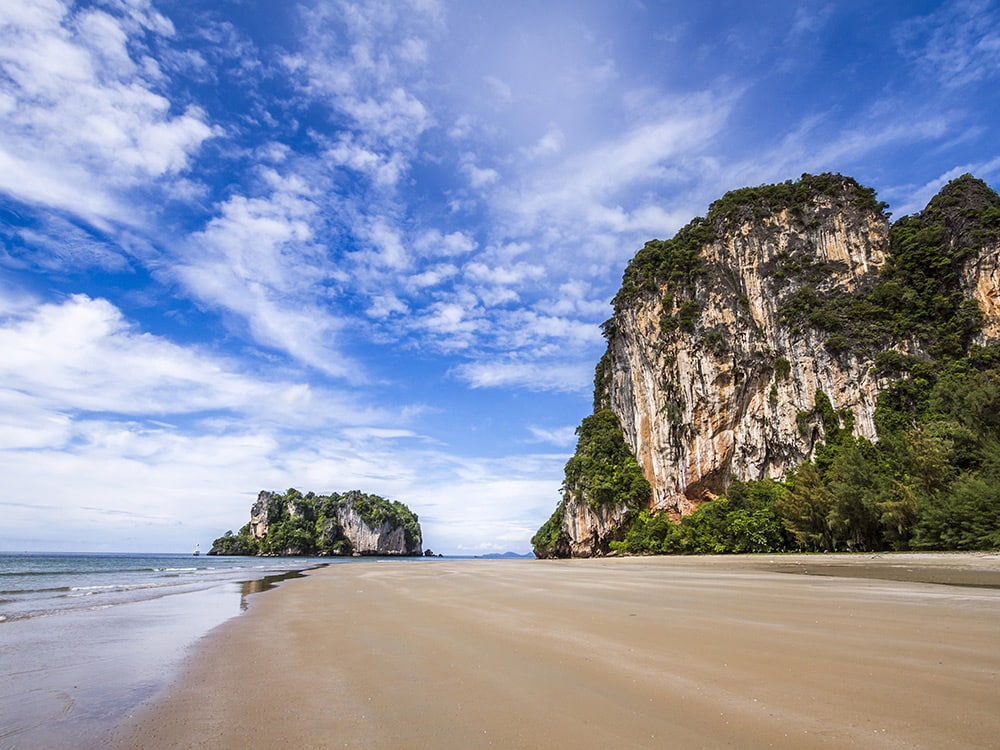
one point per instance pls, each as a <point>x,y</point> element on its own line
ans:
<point>588,530</point>
<point>737,345</point>
<point>719,397</point>
<point>336,524</point>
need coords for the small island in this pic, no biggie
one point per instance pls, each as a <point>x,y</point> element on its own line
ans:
<point>352,523</point>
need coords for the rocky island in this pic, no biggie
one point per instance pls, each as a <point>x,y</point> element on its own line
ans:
<point>352,523</point>
<point>795,372</point>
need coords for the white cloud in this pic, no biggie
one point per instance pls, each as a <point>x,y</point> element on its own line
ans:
<point>533,375</point>
<point>389,246</point>
<point>583,194</point>
<point>533,327</point>
<point>809,20</point>
<point>383,171</point>
<point>57,244</point>
<point>83,356</point>
<point>83,120</point>
<point>549,144</point>
<point>957,44</point>
<point>260,260</point>
<point>453,324</point>
<point>564,437</point>
<point>433,243</point>
<point>576,297</point>
<point>368,77</point>
<point>386,305</point>
<point>503,275</point>
<point>462,128</point>
<point>478,177</point>
<point>433,276</point>
<point>30,425</point>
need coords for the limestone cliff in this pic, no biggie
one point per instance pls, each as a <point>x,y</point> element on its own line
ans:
<point>377,538</point>
<point>336,524</point>
<point>736,345</point>
<point>719,394</point>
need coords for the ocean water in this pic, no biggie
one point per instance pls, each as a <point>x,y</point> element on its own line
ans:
<point>45,584</point>
<point>86,638</point>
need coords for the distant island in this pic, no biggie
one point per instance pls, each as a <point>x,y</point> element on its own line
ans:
<point>352,523</point>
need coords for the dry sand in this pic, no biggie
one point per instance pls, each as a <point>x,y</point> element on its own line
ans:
<point>894,651</point>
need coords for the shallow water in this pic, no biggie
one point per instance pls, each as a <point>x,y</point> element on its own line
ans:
<point>38,585</point>
<point>86,638</point>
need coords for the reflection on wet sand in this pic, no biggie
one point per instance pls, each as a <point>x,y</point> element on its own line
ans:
<point>265,583</point>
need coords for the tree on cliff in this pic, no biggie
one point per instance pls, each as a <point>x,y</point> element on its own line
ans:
<point>603,472</point>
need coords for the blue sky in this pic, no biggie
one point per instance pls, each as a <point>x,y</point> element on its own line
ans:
<point>259,244</point>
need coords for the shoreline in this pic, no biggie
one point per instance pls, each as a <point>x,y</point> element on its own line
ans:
<point>895,650</point>
<point>76,672</point>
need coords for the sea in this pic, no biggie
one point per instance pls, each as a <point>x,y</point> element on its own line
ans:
<point>86,638</point>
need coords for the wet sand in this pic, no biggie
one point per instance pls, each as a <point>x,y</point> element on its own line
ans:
<point>893,651</point>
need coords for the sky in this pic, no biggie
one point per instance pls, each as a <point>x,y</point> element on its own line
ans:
<point>331,245</point>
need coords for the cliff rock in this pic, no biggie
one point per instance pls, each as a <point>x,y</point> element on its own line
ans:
<point>737,345</point>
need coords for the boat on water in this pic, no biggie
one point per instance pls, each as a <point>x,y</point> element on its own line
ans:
<point>197,550</point>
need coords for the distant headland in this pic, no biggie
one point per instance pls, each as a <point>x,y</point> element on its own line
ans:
<point>352,523</point>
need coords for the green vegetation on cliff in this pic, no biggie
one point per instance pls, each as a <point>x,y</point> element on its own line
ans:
<point>675,265</point>
<point>551,540</point>
<point>603,472</point>
<point>918,296</point>
<point>755,203</point>
<point>744,521</point>
<point>309,524</point>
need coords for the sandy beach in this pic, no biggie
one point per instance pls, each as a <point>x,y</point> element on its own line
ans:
<point>890,651</point>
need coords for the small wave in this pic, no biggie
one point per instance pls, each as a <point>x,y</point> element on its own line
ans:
<point>75,591</point>
<point>80,571</point>
<point>26,573</point>
<point>15,592</point>
<point>31,615</point>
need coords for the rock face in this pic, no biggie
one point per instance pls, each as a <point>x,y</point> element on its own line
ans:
<point>386,538</point>
<point>721,397</point>
<point>589,529</point>
<point>982,282</point>
<point>720,364</point>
